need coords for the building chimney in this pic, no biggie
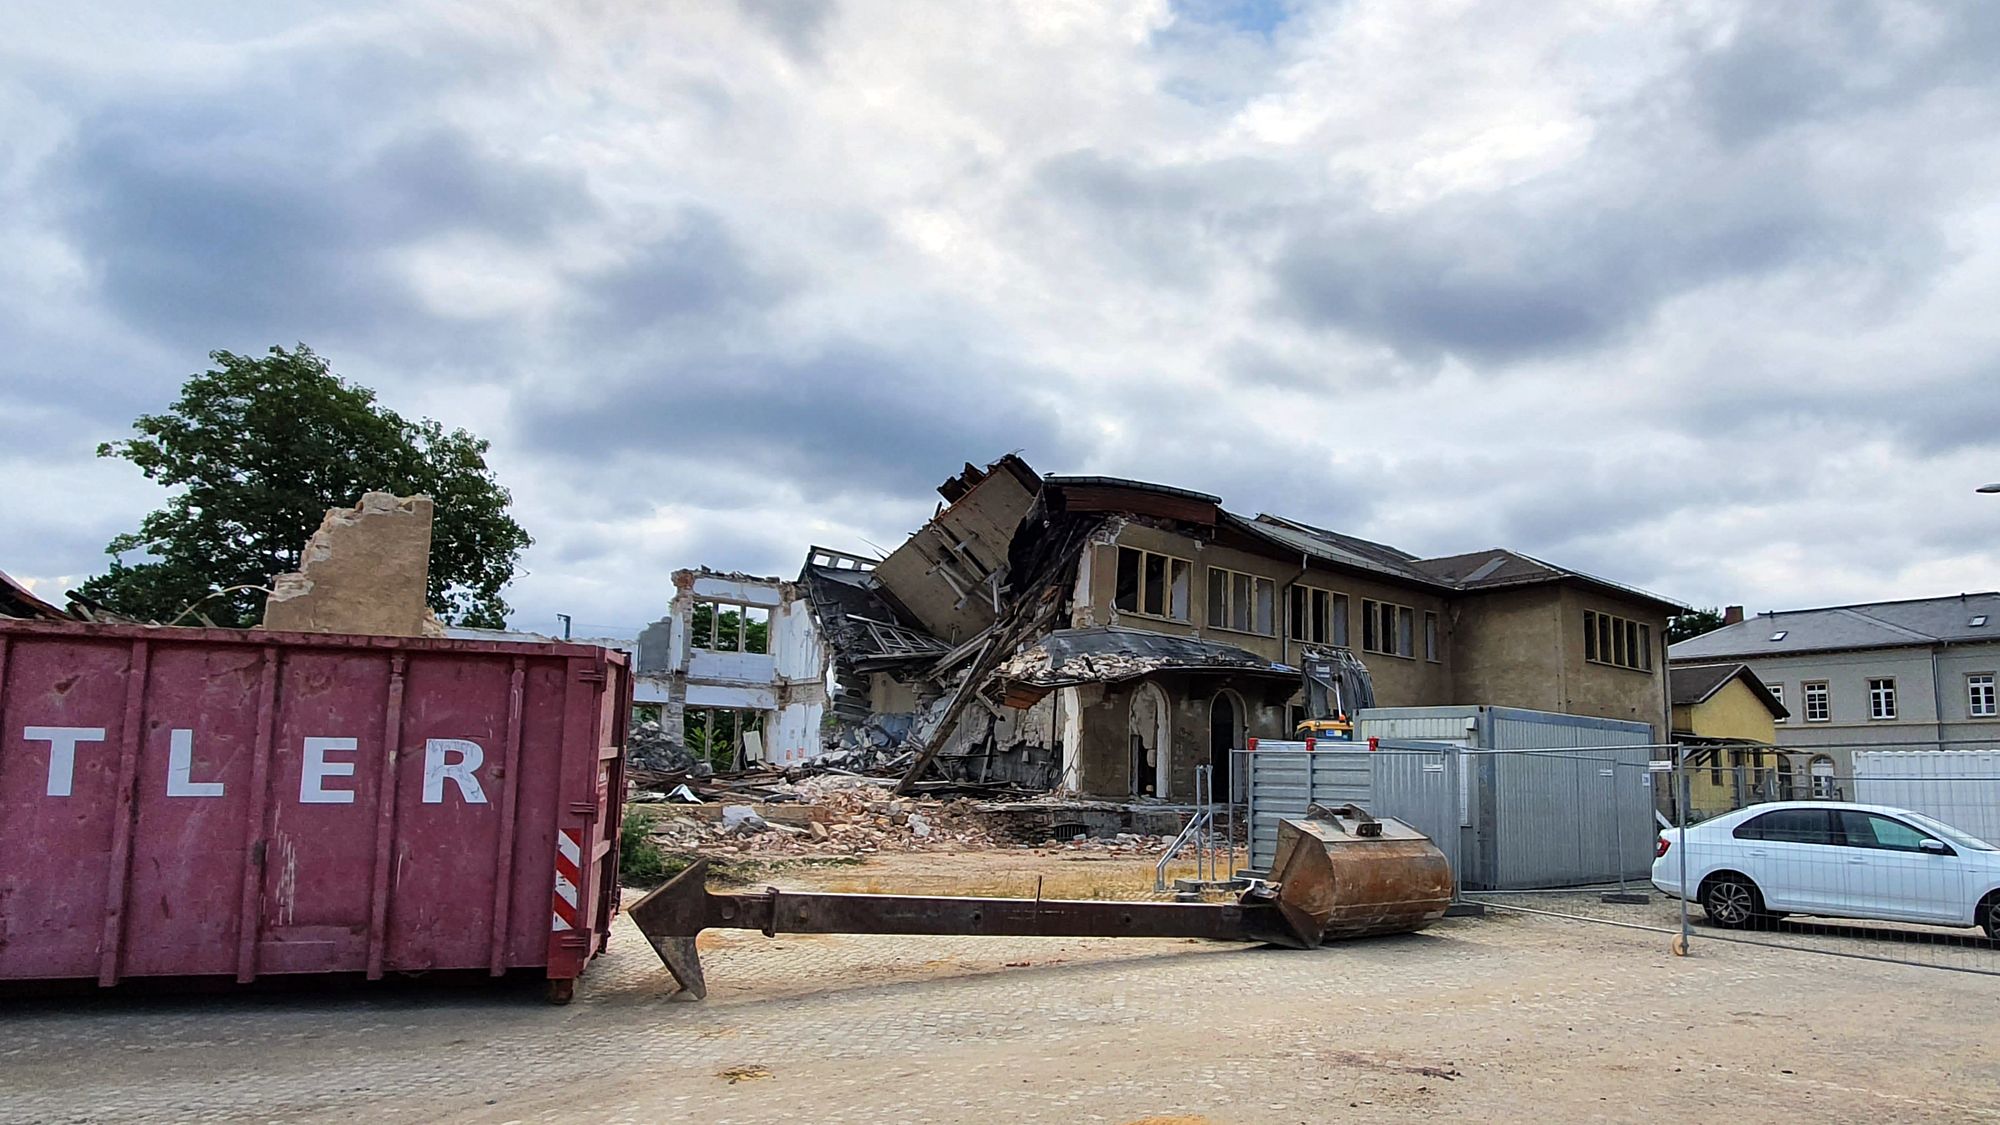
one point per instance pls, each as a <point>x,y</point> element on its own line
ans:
<point>1733,615</point>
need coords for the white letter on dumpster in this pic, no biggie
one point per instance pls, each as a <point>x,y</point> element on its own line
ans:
<point>436,769</point>
<point>316,769</point>
<point>180,768</point>
<point>62,751</point>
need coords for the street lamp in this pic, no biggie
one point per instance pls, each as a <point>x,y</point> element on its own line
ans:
<point>1994,487</point>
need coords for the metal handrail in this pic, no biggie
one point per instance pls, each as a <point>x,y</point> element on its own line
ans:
<point>1202,821</point>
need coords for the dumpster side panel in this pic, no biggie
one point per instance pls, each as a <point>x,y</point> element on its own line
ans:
<point>217,803</point>
<point>326,785</point>
<point>532,912</point>
<point>449,778</point>
<point>63,711</point>
<point>194,796</point>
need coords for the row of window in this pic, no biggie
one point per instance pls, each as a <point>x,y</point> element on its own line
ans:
<point>1838,828</point>
<point>1157,585</point>
<point>1818,698</point>
<point>1617,641</point>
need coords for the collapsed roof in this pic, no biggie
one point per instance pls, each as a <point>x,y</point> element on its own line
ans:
<point>859,621</point>
<point>17,600</point>
<point>1111,654</point>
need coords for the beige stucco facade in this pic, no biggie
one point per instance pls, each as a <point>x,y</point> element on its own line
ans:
<point>1400,681</point>
<point>1525,648</point>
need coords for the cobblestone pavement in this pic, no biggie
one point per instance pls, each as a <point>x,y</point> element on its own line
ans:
<point>1506,1017</point>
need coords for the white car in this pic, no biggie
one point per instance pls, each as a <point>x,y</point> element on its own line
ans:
<point>1833,859</point>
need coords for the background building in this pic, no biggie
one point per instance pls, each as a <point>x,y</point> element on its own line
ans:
<point>1907,674</point>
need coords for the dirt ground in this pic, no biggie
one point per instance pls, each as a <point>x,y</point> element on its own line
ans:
<point>1503,1017</point>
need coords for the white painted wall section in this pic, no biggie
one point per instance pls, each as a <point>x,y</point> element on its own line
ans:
<point>736,698</point>
<point>733,590</point>
<point>731,667</point>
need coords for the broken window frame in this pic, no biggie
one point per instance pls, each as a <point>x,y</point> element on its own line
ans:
<point>699,728</point>
<point>1174,588</point>
<point>1388,624</point>
<point>713,641</point>
<point>1248,602</point>
<point>1315,615</point>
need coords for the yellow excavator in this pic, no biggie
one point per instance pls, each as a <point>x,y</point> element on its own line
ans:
<point>1336,686</point>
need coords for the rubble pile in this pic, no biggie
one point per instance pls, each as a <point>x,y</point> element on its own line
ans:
<point>648,747</point>
<point>851,816</point>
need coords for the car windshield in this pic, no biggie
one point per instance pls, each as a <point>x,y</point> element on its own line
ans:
<point>1940,828</point>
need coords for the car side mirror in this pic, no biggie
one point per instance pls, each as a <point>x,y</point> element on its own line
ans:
<point>1935,847</point>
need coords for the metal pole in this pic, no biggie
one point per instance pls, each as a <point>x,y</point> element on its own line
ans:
<point>1196,821</point>
<point>1680,844</point>
<point>1618,827</point>
<point>1208,821</point>
<point>1234,774</point>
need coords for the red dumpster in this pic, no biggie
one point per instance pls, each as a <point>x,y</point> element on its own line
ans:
<point>194,802</point>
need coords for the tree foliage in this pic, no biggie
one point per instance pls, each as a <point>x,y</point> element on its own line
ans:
<point>258,449</point>
<point>1693,623</point>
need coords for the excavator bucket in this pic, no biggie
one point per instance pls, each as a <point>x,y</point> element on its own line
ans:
<point>1342,873</point>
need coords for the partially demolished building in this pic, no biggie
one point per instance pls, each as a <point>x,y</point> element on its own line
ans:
<point>1107,636</point>
<point>738,657</point>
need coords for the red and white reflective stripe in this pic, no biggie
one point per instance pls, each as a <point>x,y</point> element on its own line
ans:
<point>569,875</point>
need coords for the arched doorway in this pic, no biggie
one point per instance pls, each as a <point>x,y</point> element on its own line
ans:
<point>1225,736</point>
<point>1824,785</point>
<point>1151,741</point>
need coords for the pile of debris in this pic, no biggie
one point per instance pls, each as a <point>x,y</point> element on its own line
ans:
<point>648,747</point>
<point>844,815</point>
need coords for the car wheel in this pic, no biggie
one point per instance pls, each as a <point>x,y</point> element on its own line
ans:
<point>1731,901</point>
<point>1989,917</point>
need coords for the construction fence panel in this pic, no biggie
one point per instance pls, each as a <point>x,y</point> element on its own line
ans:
<point>1777,854</point>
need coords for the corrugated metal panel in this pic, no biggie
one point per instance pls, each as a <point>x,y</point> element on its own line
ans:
<point>1511,728</point>
<point>1420,787</point>
<point>1959,787</point>
<point>1425,724</point>
<point>1555,819</point>
<point>1282,783</point>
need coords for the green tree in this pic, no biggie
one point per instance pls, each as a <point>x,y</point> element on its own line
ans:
<point>707,629</point>
<point>1693,623</point>
<point>258,448</point>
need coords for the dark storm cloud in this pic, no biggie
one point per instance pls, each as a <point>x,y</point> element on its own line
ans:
<point>1561,268</point>
<point>1163,221</point>
<point>1778,71</point>
<point>848,418</point>
<point>699,268</point>
<point>1671,196</point>
<point>799,26</point>
<point>238,215</point>
<point>1927,403</point>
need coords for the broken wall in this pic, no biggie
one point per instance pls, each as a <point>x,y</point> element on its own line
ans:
<point>366,570</point>
<point>1103,760</point>
<point>948,573</point>
<point>783,678</point>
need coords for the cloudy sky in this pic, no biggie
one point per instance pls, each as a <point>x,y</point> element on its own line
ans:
<point>1700,296</point>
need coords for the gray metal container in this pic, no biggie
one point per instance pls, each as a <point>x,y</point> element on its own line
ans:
<point>1516,799</point>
